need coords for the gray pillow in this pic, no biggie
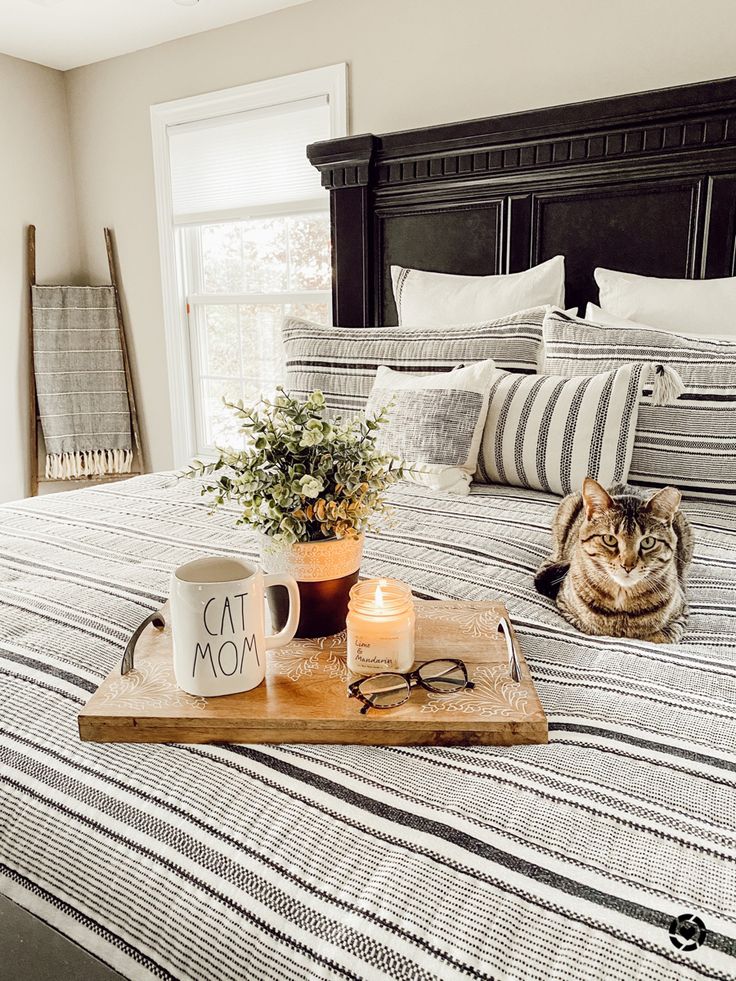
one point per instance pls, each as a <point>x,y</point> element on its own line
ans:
<point>435,421</point>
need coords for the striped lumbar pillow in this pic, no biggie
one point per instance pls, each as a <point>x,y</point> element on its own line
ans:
<point>690,443</point>
<point>342,362</point>
<point>550,432</point>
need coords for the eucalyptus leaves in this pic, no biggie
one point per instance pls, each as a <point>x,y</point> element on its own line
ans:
<point>303,477</point>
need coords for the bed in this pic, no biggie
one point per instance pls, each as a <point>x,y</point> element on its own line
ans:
<point>566,861</point>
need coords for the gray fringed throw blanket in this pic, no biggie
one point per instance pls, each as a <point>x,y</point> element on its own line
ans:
<point>80,382</point>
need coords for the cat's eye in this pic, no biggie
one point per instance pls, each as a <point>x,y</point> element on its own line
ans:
<point>610,540</point>
<point>648,542</point>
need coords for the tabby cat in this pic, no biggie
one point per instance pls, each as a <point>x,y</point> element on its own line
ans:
<point>619,561</point>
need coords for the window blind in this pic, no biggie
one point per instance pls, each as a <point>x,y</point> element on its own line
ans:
<point>228,166</point>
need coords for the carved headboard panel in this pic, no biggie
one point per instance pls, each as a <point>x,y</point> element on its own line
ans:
<point>644,183</point>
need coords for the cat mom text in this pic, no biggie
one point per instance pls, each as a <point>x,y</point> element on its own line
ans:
<point>225,622</point>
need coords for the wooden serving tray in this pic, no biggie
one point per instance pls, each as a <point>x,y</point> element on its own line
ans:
<point>304,697</point>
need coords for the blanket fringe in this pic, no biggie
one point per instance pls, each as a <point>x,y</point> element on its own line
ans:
<point>87,463</point>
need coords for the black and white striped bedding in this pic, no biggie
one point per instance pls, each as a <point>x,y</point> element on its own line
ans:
<point>565,861</point>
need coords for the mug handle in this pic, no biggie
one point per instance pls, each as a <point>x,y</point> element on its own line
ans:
<point>287,632</point>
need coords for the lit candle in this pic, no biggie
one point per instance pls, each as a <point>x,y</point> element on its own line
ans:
<point>380,627</point>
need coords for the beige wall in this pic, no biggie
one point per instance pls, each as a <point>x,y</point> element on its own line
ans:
<point>37,188</point>
<point>412,62</point>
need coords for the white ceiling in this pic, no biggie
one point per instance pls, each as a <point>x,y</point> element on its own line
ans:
<point>68,33</point>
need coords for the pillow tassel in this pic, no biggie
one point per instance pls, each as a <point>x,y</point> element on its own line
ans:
<point>667,386</point>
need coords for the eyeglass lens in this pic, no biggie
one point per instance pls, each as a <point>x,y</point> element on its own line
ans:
<point>442,676</point>
<point>385,690</point>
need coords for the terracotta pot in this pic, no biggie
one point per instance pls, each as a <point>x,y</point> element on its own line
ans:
<point>325,571</point>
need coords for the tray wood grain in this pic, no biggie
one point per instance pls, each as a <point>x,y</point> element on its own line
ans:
<point>304,699</point>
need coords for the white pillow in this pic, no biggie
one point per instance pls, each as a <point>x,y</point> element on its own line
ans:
<point>693,306</point>
<point>439,299</point>
<point>435,422</point>
<point>598,316</point>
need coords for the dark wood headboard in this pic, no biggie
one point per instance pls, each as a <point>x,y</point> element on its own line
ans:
<point>644,183</point>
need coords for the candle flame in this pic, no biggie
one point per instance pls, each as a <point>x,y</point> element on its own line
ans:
<point>379,595</point>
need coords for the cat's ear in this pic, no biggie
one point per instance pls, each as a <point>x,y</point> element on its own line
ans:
<point>596,498</point>
<point>664,503</point>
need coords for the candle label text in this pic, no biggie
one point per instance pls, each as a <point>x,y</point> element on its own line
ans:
<point>377,654</point>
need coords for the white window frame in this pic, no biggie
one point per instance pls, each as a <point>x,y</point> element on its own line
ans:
<point>330,81</point>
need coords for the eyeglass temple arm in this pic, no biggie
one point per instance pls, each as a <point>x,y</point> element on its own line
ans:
<point>361,697</point>
<point>440,674</point>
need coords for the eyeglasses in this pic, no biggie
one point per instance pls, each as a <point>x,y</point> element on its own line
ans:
<point>389,689</point>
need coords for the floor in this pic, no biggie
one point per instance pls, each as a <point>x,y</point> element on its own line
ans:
<point>30,950</point>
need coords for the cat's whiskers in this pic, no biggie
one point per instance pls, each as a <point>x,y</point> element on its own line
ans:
<point>659,590</point>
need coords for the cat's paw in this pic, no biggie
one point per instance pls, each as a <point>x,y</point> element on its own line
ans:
<point>671,634</point>
<point>660,637</point>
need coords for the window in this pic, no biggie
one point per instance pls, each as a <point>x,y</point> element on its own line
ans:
<point>243,276</point>
<point>245,238</point>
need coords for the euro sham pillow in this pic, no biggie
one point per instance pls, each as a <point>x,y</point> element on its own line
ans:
<point>693,306</point>
<point>435,421</point>
<point>550,432</point>
<point>437,299</point>
<point>690,443</point>
<point>342,361</point>
<point>600,316</point>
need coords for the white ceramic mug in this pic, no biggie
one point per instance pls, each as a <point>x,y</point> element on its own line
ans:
<point>217,621</point>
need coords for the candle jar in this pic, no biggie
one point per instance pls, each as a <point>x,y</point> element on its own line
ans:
<point>380,627</point>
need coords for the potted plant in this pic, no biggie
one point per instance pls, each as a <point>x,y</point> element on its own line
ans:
<point>309,484</point>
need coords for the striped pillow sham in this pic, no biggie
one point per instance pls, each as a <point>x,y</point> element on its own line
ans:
<point>342,362</point>
<point>690,443</point>
<point>550,432</point>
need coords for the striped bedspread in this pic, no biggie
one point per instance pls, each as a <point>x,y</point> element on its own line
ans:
<point>566,861</point>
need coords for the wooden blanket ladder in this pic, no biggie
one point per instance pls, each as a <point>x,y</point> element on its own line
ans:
<point>140,457</point>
